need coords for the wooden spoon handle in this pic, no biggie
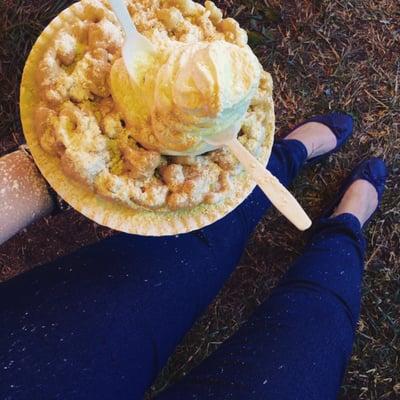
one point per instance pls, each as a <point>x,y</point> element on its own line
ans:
<point>279,196</point>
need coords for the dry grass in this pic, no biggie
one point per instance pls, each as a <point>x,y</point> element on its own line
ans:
<point>323,55</point>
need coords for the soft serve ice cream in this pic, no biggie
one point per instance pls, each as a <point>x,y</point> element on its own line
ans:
<point>186,92</point>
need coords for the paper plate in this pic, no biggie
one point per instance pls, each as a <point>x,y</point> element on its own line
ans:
<point>105,212</point>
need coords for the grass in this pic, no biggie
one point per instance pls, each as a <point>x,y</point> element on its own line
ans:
<point>323,55</point>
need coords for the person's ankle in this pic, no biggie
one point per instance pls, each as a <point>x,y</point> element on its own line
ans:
<point>317,138</point>
<point>360,200</point>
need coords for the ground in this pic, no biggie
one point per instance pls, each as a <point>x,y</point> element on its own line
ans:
<point>323,55</point>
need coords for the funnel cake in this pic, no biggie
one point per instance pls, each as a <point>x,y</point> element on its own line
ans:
<point>87,146</point>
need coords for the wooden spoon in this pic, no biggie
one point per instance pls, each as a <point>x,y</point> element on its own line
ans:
<point>279,196</point>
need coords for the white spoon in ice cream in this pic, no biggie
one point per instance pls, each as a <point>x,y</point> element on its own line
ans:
<point>279,196</point>
<point>137,49</point>
<point>137,52</point>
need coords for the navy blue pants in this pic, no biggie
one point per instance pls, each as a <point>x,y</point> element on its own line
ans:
<point>102,322</point>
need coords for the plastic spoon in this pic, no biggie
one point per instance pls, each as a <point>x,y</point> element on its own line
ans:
<point>136,51</point>
<point>279,196</point>
<point>136,48</point>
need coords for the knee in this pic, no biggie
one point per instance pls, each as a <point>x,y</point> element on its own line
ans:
<point>303,306</point>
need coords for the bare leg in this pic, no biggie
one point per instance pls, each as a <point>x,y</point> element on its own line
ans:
<point>360,199</point>
<point>24,197</point>
<point>317,138</point>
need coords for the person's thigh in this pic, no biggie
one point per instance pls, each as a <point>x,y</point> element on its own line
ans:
<point>104,320</point>
<point>297,344</point>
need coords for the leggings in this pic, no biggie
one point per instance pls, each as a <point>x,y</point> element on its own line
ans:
<point>102,322</point>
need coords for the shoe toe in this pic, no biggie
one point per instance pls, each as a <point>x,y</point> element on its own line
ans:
<point>378,169</point>
<point>375,171</point>
<point>343,125</point>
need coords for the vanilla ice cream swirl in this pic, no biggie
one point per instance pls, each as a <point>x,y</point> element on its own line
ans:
<point>201,89</point>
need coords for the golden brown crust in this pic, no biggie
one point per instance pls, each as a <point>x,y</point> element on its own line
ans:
<point>158,192</point>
